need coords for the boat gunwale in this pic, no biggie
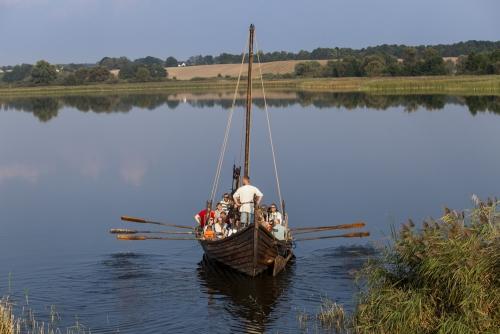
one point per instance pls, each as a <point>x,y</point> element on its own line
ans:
<point>239,233</point>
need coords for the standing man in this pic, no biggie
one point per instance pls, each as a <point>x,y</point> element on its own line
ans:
<point>245,199</point>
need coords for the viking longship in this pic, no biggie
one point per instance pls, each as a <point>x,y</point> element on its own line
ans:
<point>251,249</point>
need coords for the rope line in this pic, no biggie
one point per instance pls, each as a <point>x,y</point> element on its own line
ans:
<point>226,133</point>
<point>269,128</point>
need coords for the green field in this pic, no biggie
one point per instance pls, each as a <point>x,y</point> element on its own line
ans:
<point>465,85</point>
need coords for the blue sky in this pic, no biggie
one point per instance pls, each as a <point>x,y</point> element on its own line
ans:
<point>62,31</point>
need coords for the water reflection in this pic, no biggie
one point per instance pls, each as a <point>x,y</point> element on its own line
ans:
<point>251,300</point>
<point>46,108</point>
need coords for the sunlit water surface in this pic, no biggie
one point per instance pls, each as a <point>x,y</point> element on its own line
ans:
<point>71,166</point>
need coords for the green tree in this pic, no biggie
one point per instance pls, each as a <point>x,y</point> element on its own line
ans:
<point>127,72</point>
<point>157,71</point>
<point>98,74</point>
<point>308,69</point>
<point>81,75</point>
<point>171,62</point>
<point>112,63</point>
<point>18,73</point>
<point>432,63</point>
<point>410,61</point>
<point>43,73</point>
<point>374,66</point>
<point>149,61</point>
<point>142,74</point>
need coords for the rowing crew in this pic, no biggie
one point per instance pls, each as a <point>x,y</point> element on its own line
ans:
<point>223,221</point>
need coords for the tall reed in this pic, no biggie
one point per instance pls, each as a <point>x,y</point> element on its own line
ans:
<point>442,278</point>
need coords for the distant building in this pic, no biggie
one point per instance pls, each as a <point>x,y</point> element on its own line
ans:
<point>1,71</point>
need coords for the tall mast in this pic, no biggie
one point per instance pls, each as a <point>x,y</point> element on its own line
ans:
<point>249,102</point>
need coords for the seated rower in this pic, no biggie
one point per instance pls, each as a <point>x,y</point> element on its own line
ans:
<point>274,215</point>
<point>201,217</point>
<point>218,210</point>
<point>279,231</point>
<point>209,232</point>
<point>226,202</point>
<point>219,228</point>
<point>230,229</point>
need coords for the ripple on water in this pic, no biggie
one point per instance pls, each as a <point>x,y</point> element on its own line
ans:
<point>151,293</point>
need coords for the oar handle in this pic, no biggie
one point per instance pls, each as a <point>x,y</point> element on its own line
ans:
<point>347,235</point>
<point>122,231</point>
<point>359,224</point>
<point>130,237</point>
<point>133,219</point>
<point>356,235</point>
<point>143,237</point>
<point>144,221</point>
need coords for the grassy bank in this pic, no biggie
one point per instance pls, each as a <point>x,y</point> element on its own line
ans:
<point>441,278</point>
<point>457,85</point>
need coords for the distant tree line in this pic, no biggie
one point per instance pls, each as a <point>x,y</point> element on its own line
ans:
<point>396,51</point>
<point>43,73</point>
<point>411,63</point>
<point>474,57</point>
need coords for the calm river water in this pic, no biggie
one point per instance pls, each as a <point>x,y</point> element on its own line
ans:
<point>71,166</point>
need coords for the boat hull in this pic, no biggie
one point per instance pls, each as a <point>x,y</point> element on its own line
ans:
<point>251,251</point>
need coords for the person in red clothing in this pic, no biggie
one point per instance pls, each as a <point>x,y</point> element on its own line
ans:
<point>201,217</point>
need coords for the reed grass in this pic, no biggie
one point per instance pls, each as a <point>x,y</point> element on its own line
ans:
<point>442,278</point>
<point>27,323</point>
<point>332,316</point>
<point>465,84</point>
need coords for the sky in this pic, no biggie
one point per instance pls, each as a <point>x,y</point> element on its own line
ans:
<point>63,31</point>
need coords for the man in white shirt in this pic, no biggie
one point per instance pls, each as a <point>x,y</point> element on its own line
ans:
<point>245,199</point>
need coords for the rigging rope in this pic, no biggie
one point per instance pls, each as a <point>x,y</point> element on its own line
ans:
<point>226,133</point>
<point>269,128</point>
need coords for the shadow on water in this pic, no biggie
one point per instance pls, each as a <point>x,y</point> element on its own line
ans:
<point>47,108</point>
<point>251,300</point>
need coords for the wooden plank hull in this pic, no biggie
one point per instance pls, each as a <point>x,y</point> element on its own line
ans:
<point>250,251</point>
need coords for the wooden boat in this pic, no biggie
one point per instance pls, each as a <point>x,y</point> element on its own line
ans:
<point>252,250</point>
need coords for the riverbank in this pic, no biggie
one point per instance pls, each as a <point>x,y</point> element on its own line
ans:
<point>440,278</point>
<point>453,85</point>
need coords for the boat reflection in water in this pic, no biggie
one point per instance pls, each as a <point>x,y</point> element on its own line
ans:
<point>248,299</point>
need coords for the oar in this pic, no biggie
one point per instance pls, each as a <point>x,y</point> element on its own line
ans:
<point>348,235</point>
<point>143,237</point>
<point>144,221</point>
<point>129,231</point>
<point>299,230</point>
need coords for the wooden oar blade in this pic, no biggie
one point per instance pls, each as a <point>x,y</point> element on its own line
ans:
<point>144,221</point>
<point>144,237</point>
<point>133,219</point>
<point>130,237</point>
<point>359,224</point>
<point>347,235</point>
<point>122,231</point>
